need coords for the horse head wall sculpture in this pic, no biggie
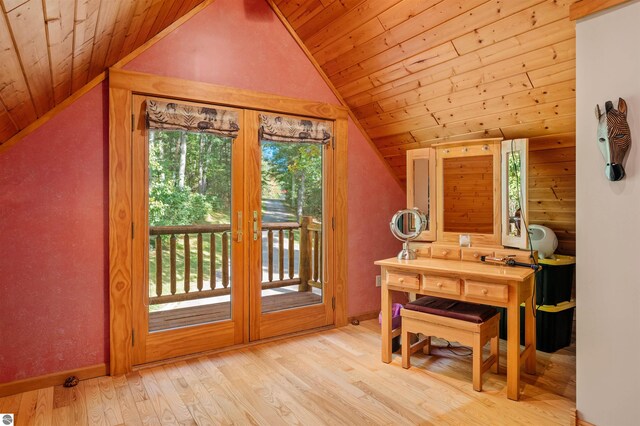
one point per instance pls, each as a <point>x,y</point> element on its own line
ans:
<point>614,138</point>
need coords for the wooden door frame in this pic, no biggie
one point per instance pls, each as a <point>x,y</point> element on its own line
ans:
<point>122,86</point>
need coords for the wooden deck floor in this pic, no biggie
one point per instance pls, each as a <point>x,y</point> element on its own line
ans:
<point>203,314</point>
<point>331,377</point>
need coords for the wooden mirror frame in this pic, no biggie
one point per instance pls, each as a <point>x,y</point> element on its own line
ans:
<point>521,146</point>
<point>429,234</point>
<point>470,148</point>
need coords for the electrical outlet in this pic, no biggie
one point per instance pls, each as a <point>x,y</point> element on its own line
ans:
<point>378,280</point>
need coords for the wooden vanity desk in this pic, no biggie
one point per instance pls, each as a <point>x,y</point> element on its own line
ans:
<point>472,282</point>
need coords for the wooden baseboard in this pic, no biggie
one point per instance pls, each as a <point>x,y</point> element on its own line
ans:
<point>364,317</point>
<point>52,379</point>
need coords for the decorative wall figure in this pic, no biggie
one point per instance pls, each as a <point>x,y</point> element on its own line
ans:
<point>614,138</point>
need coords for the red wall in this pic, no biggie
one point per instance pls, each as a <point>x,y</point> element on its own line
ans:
<point>53,192</point>
<point>53,244</point>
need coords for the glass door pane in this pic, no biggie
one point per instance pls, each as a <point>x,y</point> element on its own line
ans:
<point>189,252</point>
<point>292,225</point>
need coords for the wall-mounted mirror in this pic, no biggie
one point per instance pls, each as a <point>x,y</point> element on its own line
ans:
<point>468,182</point>
<point>421,189</point>
<point>514,192</point>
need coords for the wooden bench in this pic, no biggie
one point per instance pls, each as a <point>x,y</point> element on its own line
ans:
<point>467,323</point>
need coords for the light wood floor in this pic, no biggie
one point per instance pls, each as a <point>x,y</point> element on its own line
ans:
<point>331,377</point>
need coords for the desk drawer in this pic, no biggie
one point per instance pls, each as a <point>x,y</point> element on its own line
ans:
<point>486,291</point>
<point>445,252</point>
<point>422,249</point>
<point>403,279</point>
<point>473,254</point>
<point>444,285</point>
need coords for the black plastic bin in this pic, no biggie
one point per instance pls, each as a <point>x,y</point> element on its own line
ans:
<point>554,325</point>
<point>554,281</point>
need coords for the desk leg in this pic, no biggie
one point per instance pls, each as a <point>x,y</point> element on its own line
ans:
<point>530,333</point>
<point>386,324</point>
<point>513,346</point>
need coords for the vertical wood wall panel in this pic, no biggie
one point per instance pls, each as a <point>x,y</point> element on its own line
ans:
<point>552,187</point>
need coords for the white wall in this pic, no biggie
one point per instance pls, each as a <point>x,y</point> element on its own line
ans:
<point>608,224</point>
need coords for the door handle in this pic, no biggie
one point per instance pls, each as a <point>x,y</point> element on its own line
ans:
<point>255,225</point>
<point>239,229</point>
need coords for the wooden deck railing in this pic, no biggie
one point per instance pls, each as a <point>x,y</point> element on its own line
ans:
<point>309,259</point>
<point>187,292</point>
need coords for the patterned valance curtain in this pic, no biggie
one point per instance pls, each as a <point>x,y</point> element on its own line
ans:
<point>175,116</point>
<point>279,128</point>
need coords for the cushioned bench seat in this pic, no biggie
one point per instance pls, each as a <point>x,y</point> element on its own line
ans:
<point>464,311</point>
<point>470,324</point>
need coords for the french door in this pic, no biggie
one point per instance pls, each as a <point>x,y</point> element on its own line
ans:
<point>290,289</point>
<point>230,240</point>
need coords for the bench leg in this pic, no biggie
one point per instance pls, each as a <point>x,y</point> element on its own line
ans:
<point>477,362</point>
<point>495,351</point>
<point>426,349</point>
<point>406,349</point>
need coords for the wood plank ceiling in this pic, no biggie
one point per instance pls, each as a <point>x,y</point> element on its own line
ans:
<point>416,72</point>
<point>51,48</point>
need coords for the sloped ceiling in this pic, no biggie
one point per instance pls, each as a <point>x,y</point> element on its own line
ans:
<point>51,48</point>
<point>416,72</point>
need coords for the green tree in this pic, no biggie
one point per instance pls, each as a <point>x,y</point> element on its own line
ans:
<point>297,168</point>
<point>189,178</point>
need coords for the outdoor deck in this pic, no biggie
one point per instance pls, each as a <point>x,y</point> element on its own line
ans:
<point>202,314</point>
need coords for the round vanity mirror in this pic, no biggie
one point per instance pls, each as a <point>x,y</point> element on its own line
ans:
<point>399,222</point>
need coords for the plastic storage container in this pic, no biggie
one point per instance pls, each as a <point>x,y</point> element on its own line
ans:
<point>554,281</point>
<point>554,325</point>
